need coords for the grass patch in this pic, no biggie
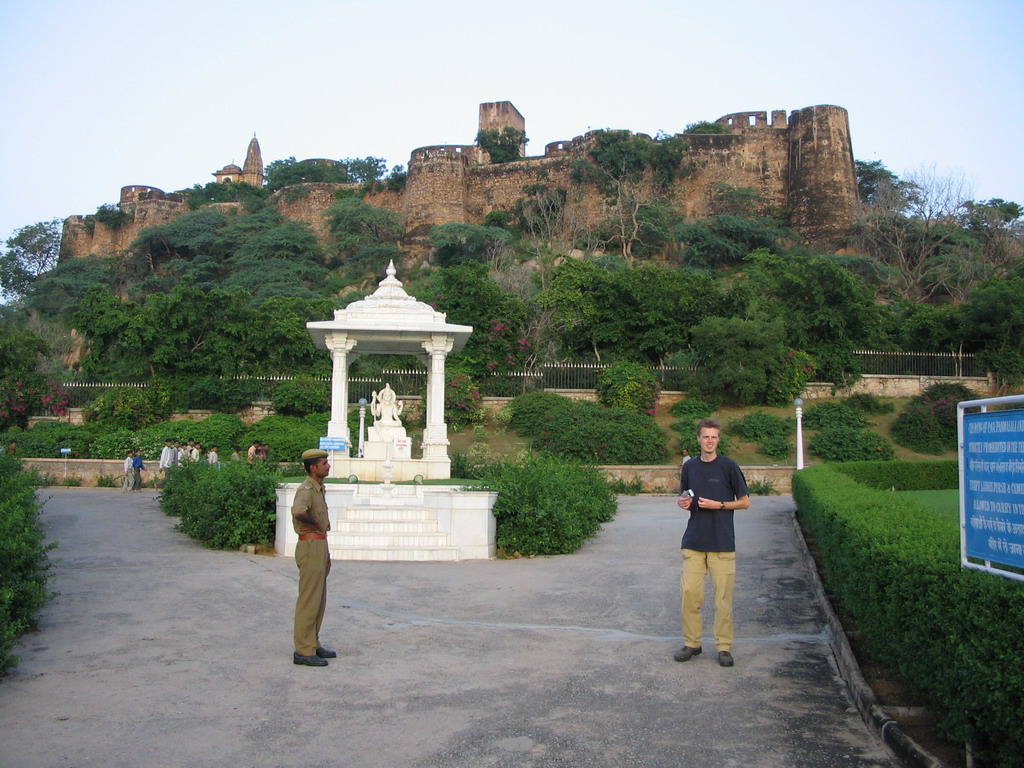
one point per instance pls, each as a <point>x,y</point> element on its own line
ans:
<point>945,503</point>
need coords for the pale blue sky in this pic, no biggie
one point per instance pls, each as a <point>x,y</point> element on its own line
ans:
<point>101,94</point>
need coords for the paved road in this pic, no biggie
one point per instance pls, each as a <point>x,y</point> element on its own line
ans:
<point>159,652</point>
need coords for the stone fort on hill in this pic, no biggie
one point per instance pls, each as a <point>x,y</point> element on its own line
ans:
<point>802,163</point>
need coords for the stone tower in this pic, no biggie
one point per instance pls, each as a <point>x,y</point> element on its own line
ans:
<point>822,178</point>
<point>250,173</point>
<point>498,115</point>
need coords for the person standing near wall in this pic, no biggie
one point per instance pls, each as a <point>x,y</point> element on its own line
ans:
<point>711,488</point>
<point>313,559</point>
<point>137,469</point>
<point>127,483</point>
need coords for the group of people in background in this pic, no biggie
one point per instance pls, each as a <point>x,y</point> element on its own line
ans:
<point>175,452</point>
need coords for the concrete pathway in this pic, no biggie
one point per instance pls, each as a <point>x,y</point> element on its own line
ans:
<point>159,652</point>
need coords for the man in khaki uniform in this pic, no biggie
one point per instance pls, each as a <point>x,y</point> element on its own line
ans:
<point>309,518</point>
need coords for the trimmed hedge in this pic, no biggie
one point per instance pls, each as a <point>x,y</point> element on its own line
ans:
<point>953,635</point>
<point>904,475</point>
<point>223,508</point>
<point>547,506</point>
<point>24,567</point>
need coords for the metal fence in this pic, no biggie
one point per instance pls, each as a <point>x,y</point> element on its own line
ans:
<point>919,364</point>
<point>413,381</point>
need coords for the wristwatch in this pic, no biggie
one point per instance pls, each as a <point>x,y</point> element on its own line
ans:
<point>723,505</point>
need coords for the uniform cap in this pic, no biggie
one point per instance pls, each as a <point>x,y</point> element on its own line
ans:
<point>314,453</point>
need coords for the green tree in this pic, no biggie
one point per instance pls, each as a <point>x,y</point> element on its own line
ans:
<point>503,146</point>
<point>633,172</point>
<point>217,192</point>
<point>642,313</point>
<point>355,225</point>
<point>285,173</point>
<point>456,243</point>
<point>20,350</point>
<point>31,251</point>
<point>704,127</point>
<point>875,182</point>
<point>469,297</point>
<point>737,358</point>
<point>828,311</point>
<point>912,230</point>
<point>994,325</point>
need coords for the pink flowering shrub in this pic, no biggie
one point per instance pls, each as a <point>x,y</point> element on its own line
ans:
<point>25,396</point>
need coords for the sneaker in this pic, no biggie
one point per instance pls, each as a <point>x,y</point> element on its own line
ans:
<point>686,653</point>
<point>725,659</point>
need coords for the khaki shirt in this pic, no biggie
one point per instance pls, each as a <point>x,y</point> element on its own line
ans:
<point>311,496</point>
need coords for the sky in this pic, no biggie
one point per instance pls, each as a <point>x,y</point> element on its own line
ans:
<point>108,93</point>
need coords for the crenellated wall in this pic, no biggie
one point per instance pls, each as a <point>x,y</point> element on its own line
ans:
<point>803,165</point>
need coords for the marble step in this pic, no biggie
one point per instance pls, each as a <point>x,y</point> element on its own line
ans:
<point>395,554</point>
<point>377,525</point>
<point>396,540</point>
<point>386,513</point>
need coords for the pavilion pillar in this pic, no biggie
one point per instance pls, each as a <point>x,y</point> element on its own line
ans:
<point>340,346</point>
<point>435,435</point>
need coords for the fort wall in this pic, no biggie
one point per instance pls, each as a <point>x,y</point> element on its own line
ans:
<point>803,164</point>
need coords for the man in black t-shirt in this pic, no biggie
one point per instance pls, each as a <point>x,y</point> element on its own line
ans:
<point>711,488</point>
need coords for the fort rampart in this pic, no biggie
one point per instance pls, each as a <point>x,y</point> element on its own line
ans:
<point>802,165</point>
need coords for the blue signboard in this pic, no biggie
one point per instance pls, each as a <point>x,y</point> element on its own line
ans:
<point>333,444</point>
<point>993,486</point>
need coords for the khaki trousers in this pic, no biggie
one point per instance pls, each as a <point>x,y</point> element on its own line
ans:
<point>311,557</point>
<point>722,568</point>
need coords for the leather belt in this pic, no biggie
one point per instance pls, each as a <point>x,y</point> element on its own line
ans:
<point>308,536</point>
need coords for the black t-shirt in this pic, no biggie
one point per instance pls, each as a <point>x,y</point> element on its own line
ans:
<point>712,530</point>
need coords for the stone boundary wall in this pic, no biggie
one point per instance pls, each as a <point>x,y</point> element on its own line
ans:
<point>660,478</point>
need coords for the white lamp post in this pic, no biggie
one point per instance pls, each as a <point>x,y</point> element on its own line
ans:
<point>799,403</point>
<point>362,423</point>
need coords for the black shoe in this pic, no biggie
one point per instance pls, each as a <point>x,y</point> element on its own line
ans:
<point>725,658</point>
<point>326,653</point>
<point>309,661</point>
<point>686,653</point>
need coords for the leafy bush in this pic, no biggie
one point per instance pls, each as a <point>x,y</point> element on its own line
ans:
<point>301,396</point>
<point>23,563</point>
<point>947,632</point>
<point>129,407</point>
<point>226,507</point>
<point>628,385</point>
<point>23,394</point>
<point>867,403</point>
<point>770,432</point>
<point>462,400</point>
<point>758,426</point>
<point>928,423</point>
<point>831,415</point>
<point>528,413</point>
<point>116,444</point>
<point>691,409</point>
<point>46,439</point>
<point>288,436</point>
<point>547,506</point>
<point>850,444</point>
<point>213,393</point>
<point>777,447</point>
<point>762,486</point>
<point>789,378</point>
